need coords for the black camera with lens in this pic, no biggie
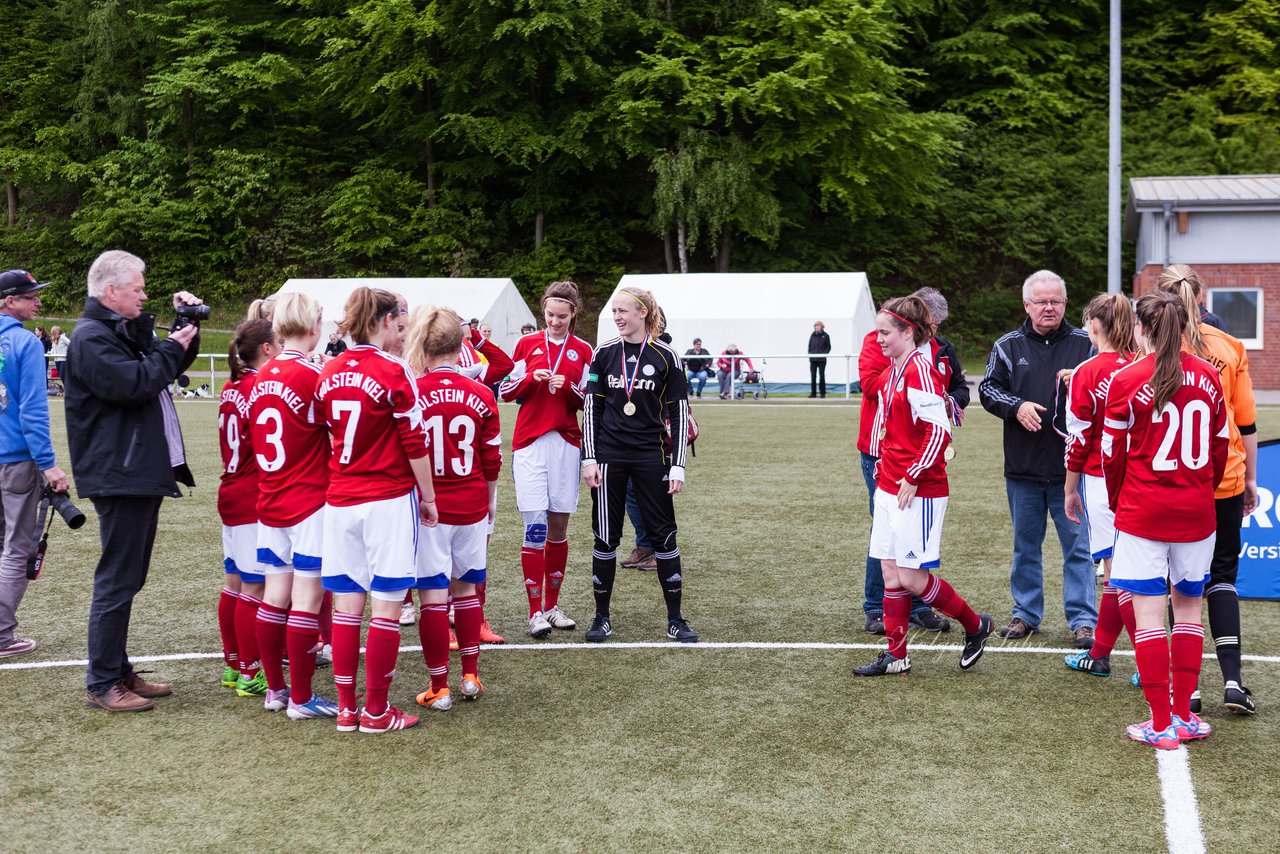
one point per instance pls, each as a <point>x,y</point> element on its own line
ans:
<point>189,315</point>
<point>60,503</point>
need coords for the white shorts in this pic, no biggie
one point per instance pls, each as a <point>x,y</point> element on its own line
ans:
<point>1102,522</point>
<point>911,538</point>
<point>547,474</point>
<point>372,547</point>
<point>297,548</point>
<point>240,552</point>
<point>1146,566</point>
<point>452,552</point>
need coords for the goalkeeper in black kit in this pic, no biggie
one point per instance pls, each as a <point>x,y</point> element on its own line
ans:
<point>636,388</point>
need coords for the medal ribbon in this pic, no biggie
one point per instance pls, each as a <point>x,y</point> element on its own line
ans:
<point>894,376</point>
<point>629,384</point>
<point>546,340</point>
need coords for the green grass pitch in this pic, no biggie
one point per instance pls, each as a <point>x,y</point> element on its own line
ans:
<point>639,749</point>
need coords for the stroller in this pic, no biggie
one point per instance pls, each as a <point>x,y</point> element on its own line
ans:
<point>751,383</point>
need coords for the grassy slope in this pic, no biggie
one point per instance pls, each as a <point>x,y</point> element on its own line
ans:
<point>616,749</point>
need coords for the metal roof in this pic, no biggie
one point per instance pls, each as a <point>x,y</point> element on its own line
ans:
<point>1242,190</point>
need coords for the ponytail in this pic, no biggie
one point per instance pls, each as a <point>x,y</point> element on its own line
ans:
<point>1183,282</point>
<point>363,312</point>
<point>1114,314</point>
<point>246,345</point>
<point>1164,317</point>
<point>433,332</point>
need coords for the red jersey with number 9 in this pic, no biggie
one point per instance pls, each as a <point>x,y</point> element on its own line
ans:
<point>238,490</point>
<point>370,403</point>
<point>461,416</point>
<point>289,440</point>
<point>1161,467</point>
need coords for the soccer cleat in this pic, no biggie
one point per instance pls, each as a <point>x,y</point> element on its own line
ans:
<point>316,707</point>
<point>488,635</point>
<point>453,640</point>
<point>1144,733</point>
<point>1196,705</point>
<point>975,643</point>
<point>439,700</point>
<point>324,654</point>
<point>389,720</point>
<point>255,687</point>
<point>600,629</point>
<point>1135,680</point>
<point>1237,700</point>
<point>884,665</point>
<point>470,687</point>
<point>230,676</point>
<point>408,614</point>
<point>538,625</point>
<point>1191,729</point>
<point>276,700</point>
<point>1082,662</point>
<point>348,720</point>
<point>558,619</point>
<point>678,630</point>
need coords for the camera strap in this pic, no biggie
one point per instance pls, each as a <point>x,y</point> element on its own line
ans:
<point>44,521</point>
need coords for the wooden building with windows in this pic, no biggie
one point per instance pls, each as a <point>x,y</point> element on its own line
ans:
<point>1228,228</point>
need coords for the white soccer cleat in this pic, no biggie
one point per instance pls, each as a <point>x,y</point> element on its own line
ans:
<point>538,625</point>
<point>558,619</point>
<point>408,614</point>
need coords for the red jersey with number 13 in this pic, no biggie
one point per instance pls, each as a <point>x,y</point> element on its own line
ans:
<point>461,417</point>
<point>238,490</point>
<point>289,439</point>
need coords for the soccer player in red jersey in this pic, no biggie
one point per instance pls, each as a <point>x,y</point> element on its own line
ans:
<point>254,343</point>
<point>379,487</point>
<point>465,440</point>
<point>1108,318</point>
<point>549,379</point>
<point>911,489</point>
<point>1164,449</point>
<point>292,451</point>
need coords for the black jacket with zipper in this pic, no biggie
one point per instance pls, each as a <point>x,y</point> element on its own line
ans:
<point>116,371</point>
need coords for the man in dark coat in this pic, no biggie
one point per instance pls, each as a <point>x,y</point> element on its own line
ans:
<point>127,455</point>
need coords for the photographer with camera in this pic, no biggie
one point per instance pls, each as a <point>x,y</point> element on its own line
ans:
<point>126,447</point>
<point>25,447</point>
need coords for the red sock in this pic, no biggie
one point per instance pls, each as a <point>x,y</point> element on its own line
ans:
<point>1185,651</point>
<point>408,597</point>
<point>1125,600</point>
<point>247,634</point>
<point>557,558</point>
<point>533,563</point>
<point>433,632</point>
<point>346,656</point>
<point>897,616</point>
<point>1151,648</point>
<point>467,616</point>
<point>1109,624</point>
<point>227,603</point>
<point>326,617</point>
<point>301,633</point>
<point>381,648</point>
<point>940,595</point>
<point>482,590</point>
<point>271,627</point>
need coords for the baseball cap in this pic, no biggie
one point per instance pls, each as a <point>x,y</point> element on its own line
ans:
<point>15,282</point>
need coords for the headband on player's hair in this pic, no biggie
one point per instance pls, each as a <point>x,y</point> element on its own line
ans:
<point>900,317</point>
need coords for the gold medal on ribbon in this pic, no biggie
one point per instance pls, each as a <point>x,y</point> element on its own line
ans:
<point>883,433</point>
<point>949,454</point>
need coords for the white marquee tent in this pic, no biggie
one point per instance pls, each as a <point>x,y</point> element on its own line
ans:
<point>493,301</point>
<point>765,314</point>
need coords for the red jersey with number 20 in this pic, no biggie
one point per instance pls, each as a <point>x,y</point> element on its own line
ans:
<point>238,491</point>
<point>917,430</point>
<point>289,440</point>
<point>461,417</point>
<point>1161,467</point>
<point>370,404</point>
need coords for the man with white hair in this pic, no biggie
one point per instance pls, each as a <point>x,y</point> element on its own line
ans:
<point>1019,388</point>
<point>127,454</point>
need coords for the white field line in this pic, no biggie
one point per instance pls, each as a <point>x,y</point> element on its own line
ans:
<point>622,646</point>
<point>1181,813</point>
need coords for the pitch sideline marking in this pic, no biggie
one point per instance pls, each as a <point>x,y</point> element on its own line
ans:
<point>1181,813</point>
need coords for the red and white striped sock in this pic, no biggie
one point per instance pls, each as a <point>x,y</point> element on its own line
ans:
<point>1125,601</point>
<point>897,617</point>
<point>1151,649</point>
<point>346,656</point>
<point>227,602</point>
<point>247,634</point>
<point>1186,650</point>
<point>1109,624</point>
<point>557,558</point>
<point>533,564</point>
<point>940,594</point>
<point>300,637</point>
<point>381,648</point>
<point>433,632</point>
<point>271,629</point>
<point>467,616</point>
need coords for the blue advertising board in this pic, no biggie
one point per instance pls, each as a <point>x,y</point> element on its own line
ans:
<point>1259,576</point>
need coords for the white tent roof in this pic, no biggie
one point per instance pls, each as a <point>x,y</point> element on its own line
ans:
<point>493,301</point>
<point>765,314</point>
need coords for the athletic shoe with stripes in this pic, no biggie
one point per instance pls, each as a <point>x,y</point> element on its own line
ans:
<point>678,630</point>
<point>1191,729</point>
<point>538,625</point>
<point>230,676</point>
<point>1144,733</point>
<point>276,701</point>
<point>558,619</point>
<point>1237,699</point>
<point>471,689</point>
<point>884,665</point>
<point>600,629</point>
<point>975,643</point>
<point>255,687</point>
<point>439,700</point>
<point>1196,703</point>
<point>391,719</point>
<point>1093,666</point>
<point>348,720</point>
<point>316,707</point>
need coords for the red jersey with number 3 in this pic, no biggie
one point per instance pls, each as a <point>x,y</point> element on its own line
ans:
<point>1086,401</point>
<point>289,439</point>
<point>238,490</point>
<point>541,411</point>
<point>370,404</point>
<point>917,430</point>
<point>1161,467</point>
<point>461,417</point>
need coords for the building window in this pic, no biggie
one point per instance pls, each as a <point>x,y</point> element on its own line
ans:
<point>1241,311</point>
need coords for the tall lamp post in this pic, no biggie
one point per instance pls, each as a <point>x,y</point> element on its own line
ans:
<point>1113,158</point>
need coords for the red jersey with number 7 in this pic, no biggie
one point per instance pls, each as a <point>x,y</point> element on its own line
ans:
<point>916,429</point>
<point>370,405</point>
<point>289,440</point>
<point>238,490</point>
<point>461,417</point>
<point>1161,467</point>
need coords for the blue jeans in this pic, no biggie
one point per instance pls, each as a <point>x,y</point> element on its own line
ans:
<point>637,520</point>
<point>1030,502</point>
<point>873,587</point>
<point>701,377</point>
